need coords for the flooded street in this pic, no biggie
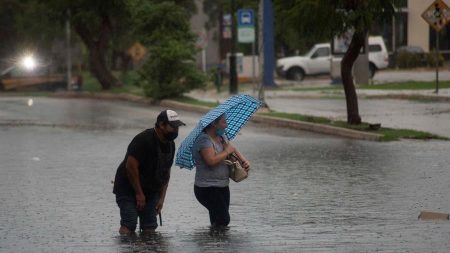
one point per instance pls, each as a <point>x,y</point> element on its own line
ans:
<point>305,193</point>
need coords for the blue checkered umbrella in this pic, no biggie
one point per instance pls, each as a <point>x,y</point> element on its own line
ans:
<point>238,110</point>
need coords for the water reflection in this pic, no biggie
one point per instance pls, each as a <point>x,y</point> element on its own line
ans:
<point>143,242</point>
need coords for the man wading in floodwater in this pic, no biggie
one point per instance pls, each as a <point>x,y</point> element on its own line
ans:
<point>143,176</point>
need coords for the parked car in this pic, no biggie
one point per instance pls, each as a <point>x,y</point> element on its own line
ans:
<point>318,60</point>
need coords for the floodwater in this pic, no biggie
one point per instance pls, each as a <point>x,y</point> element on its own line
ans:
<point>306,192</point>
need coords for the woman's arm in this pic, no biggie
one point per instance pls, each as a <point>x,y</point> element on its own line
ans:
<point>212,158</point>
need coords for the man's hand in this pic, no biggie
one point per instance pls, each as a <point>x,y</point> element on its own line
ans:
<point>159,205</point>
<point>140,201</point>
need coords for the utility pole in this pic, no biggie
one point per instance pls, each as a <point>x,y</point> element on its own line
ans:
<point>68,51</point>
<point>233,72</point>
<point>261,96</point>
<point>268,44</point>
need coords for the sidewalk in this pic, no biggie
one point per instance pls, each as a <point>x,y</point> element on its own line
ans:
<point>432,114</point>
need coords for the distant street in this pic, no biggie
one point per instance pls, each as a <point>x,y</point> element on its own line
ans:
<point>305,193</point>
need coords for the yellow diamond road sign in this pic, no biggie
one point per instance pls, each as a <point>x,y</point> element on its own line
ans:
<point>137,51</point>
<point>437,15</point>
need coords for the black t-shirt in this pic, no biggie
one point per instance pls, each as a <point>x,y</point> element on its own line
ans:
<point>155,159</point>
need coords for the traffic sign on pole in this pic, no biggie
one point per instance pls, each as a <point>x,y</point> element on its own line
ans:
<point>246,26</point>
<point>437,15</point>
<point>246,17</point>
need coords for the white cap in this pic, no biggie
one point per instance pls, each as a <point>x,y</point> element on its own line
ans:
<point>170,117</point>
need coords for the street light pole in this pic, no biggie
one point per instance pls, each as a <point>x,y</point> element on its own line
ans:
<point>233,72</point>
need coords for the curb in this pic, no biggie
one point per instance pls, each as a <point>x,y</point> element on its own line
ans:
<point>271,121</point>
<point>104,96</point>
<point>292,124</point>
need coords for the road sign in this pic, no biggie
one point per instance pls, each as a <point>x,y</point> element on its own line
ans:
<point>246,26</point>
<point>226,26</point>
<point>137,51</point>
<point>437,15</point>
<point>246,17</point>
<point>246,35</point>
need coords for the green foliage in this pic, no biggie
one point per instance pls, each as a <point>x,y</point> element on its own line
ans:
<point>300,22</point>
<point>406,86</point>
<point>27,25</point>
<point>431,59</point>
<point>170,70</point>
<point>405,60</point>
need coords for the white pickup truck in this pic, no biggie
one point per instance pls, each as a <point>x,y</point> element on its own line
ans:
<point>318,60</point>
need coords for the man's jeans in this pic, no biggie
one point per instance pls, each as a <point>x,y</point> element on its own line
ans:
<point>129,213</point>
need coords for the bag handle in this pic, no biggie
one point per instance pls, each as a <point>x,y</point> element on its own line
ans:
<point>232,154</point>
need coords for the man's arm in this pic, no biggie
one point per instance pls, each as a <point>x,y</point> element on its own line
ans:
<point>133,176</point>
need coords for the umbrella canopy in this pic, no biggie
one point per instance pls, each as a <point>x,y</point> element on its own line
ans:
<point>238,110</point>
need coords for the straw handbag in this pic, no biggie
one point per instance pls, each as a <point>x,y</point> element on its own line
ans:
<point>237,172</point>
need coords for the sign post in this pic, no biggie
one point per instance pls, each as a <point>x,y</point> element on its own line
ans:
<point>437,15</point>
<point>246,33</point>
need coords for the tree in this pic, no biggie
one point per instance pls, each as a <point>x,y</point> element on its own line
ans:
<point>98,24</point>
<point>93,22</point>
<point>164,29</point>
<point>22,26</point>
<point>326,19</point>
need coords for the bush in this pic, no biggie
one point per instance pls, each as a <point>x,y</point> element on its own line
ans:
<point>431,59</point>
<point>406,60</point>
<point>168,74</point>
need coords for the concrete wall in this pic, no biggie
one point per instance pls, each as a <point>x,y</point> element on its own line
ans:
<point>247,70</point>
<point>207,39</point>
<point>244,66</point>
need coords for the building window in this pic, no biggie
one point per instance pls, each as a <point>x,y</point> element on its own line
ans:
<point>393,30</point>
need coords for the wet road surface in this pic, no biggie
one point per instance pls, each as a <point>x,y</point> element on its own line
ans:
<point>306,192</point>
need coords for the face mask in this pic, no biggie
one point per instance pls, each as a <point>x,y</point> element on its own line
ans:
<point>170,136</point>
<point>220,131</point>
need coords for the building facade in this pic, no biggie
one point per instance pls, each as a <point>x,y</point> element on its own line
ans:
<point>408,28</point>
<point>420,33</point>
